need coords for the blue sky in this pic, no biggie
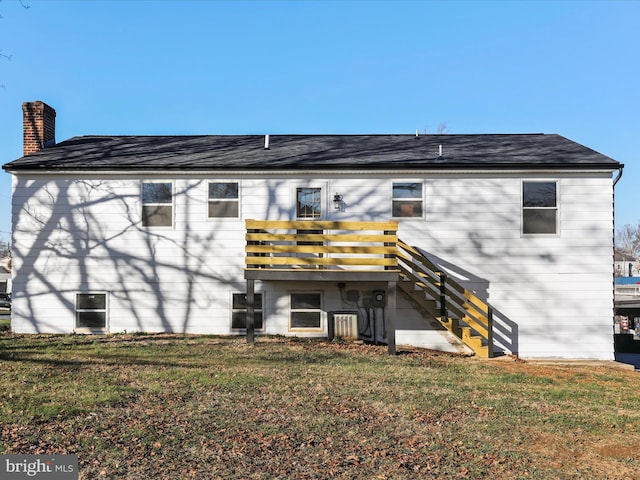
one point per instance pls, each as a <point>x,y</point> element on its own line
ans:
<point>218,67</point>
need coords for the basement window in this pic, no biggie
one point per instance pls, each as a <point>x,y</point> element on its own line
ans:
<point>306,311</point>
<point>157,204</point>
<point>91,311</point>
<point>223,200</point>
<point>239,311</point>
<point>406,200</point>
<point>539,208</point>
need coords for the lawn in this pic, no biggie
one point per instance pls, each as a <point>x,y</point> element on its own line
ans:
<point>174,407</point>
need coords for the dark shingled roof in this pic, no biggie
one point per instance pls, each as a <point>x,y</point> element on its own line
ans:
<point>324,152</point>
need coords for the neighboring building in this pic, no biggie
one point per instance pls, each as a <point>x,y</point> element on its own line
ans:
<point>626,265</point>
<point>5,275</point>
<point>5,267</point>
<point>316,235</point>
<point>627,287</point>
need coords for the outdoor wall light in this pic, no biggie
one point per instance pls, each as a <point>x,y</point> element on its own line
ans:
<point>337,201</point>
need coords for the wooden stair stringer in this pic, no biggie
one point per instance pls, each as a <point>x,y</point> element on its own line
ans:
<point>419,289</point>
<point>428,312</point>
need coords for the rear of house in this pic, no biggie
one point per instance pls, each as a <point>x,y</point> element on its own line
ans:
<point>154,234</point>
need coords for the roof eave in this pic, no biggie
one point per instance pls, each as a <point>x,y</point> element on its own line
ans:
<point>256,170</point>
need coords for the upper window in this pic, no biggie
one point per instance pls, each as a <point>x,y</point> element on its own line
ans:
<point>91,311</point>
<point>407,199</point>
<point>223,200</point>
<point>539,208</point>
<point>308,202</point>
<point>157,204</point>
<point>306,310</point>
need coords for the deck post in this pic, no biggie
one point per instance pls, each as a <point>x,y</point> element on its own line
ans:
<point>331,328</point>
<point>443,296</point>
<point>250,310</point>
<point>390,317</point>
<point>490,332</point>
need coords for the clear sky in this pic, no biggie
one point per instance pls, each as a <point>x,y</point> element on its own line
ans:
<point>257,67</point>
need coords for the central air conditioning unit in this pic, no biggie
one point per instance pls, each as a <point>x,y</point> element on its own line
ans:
<point>345,324</point>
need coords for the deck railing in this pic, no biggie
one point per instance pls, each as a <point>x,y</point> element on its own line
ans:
<point>321,245</point>
<point>460,310</point>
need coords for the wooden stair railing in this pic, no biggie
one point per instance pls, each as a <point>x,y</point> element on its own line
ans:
<point>459,310</point>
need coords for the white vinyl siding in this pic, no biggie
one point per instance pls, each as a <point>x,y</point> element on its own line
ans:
<point>552,294</point>
<point>536,281</point>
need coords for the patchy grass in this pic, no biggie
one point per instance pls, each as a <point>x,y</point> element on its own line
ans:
<point>162,406</point>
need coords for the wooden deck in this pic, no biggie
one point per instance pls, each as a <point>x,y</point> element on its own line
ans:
<point>311,250</point>
<point>314,250</point>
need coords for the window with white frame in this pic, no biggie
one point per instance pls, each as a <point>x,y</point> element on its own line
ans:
<point>91,311</point>
<point>309,202</point>
<point>157,204</point>
<point>539,207</point>
<point>406,199</point>
<point>305,311</point>
<point>239,311</point>
<point>224,200</point>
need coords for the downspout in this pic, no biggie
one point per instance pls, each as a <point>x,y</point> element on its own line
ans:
<point>620,169</point>
<point>619,175</point>
<point>614,192</point>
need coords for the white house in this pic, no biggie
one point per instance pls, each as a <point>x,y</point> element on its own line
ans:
<point>5,275</point>
<point>494,243</point>
<point>626,265</point>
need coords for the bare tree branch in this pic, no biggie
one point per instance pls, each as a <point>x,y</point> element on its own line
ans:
<point>10,56</point>
<point>627,240</point>
<point>442,128</point>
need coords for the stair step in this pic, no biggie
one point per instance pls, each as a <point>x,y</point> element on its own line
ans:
<point>475,342</point>
<point>477,324</point>
<point>482,352</point>
<point>421,295</point>
<point>467,317</point>
<point>450,323</point>
<point>470,338</point>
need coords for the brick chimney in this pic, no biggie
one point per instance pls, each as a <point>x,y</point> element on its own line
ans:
<point>39,126</point>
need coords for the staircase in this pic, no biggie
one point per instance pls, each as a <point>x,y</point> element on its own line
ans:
<point>457,309</point>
